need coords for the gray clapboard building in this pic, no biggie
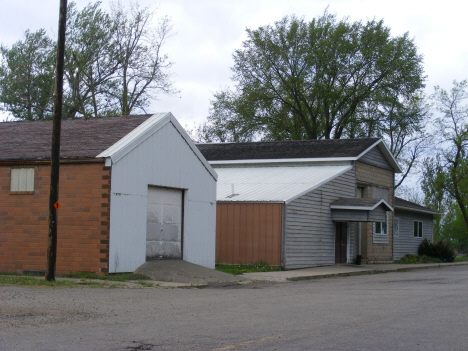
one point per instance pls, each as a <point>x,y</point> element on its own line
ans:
<point>413,223</point>
<point>306,203</point>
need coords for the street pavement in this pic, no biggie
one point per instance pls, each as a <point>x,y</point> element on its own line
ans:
<point>176,273</point>
<point>417,310</point>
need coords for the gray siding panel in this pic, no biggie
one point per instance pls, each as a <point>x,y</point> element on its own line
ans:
<point>406,243</point>
<point>375,157</point>
<point>378,215</point>
<point>309,229</point>
<point>349,215</point>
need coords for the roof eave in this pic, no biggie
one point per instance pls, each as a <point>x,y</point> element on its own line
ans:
<point>386,152</point>
<point>411,209</point>
<point>283,160</point>
<point>365,208</point>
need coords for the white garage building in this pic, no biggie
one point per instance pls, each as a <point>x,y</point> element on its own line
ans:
<point>163,197</point>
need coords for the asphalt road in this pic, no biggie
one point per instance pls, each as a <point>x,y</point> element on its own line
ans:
<point>415,310</point>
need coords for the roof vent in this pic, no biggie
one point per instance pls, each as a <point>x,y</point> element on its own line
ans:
<point>232,193</point>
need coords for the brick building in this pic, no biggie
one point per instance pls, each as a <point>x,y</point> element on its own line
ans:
<point>131,188</point>
<point>306,203</point>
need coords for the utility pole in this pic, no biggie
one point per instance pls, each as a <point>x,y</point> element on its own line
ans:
<point>55,155</point>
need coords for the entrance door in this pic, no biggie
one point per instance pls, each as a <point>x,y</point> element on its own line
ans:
<point>341,241</point>
<point>164,223</point>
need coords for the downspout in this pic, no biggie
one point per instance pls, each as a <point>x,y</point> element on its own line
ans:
<point>358,244</point>
<point>393,216</point>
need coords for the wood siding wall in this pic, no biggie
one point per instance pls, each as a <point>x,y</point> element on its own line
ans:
<point>310,231</point>
<point>374,157</point>
<point>248,233</point>
<point>406,243</point>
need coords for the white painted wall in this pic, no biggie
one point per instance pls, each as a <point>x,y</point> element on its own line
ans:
<point>163,159</point>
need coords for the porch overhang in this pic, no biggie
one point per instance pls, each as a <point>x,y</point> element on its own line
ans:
<point>360,210</point>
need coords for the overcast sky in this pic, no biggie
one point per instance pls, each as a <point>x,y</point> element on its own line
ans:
<point>206,33</point>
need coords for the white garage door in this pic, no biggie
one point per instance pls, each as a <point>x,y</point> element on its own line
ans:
<point>164,223</point>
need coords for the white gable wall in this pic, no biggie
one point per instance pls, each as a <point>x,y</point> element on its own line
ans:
<point>164,159</point>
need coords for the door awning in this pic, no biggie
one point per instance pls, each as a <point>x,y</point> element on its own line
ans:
<point>360,210</point>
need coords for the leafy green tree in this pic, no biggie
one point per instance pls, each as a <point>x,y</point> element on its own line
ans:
<point>445,177</point>
<point>27,76</point>
<point>91,62</point>
<point>452,228</point>
<point>114,64</point>
<point>297,80</point>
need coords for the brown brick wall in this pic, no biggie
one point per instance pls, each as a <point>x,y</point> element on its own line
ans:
<point>373,176</point>
<point>83,220</point>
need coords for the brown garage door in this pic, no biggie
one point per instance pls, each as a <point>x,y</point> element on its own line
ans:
<point>248,233</point>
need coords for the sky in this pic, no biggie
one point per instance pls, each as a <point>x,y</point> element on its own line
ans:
<point>207,32</point>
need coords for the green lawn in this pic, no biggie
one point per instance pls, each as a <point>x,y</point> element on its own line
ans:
<point>19,280</point>
<point>461,259</point>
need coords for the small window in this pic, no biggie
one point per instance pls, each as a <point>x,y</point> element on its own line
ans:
<point>396,227</point>
<point>22,180</point>
<point>381,228</point>
<point>380,232</point>
<point>418,228</point>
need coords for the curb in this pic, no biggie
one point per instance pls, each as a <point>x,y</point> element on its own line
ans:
<point>375,271</point>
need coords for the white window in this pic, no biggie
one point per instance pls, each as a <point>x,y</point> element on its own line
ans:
<point>380,232</point>
<point>418,229</point>
<point>396,227</point>
<point>381,228</point>
<point>22,180</point>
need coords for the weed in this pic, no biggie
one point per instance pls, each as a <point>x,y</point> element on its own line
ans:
<point>246,268</point>
<point>145,284</point>
<point>461,259</point>
<point>38,282</point>
<point>411,259</point>
<point>119,277</point>
<point>408,259</point>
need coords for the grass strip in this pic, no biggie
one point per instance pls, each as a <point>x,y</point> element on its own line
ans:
<point>41,282</point>
<point>119,277</point>
<point>246,268</point>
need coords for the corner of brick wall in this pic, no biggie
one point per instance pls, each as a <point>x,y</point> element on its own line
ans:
<point>375,176</point>
<point>83,220</point>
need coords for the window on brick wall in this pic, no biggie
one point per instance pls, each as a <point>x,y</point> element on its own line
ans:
<point>380,232</point>
<point>22,180</point>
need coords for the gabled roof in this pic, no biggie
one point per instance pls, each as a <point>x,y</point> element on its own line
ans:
<point>411,206</point>
<point>359,204</point>
<point>80,138</point>
<point>272,184</point>
<point>294,151</point>
<point>118,150</point>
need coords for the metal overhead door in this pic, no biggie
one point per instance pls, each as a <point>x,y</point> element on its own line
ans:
<point>164,223</point>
